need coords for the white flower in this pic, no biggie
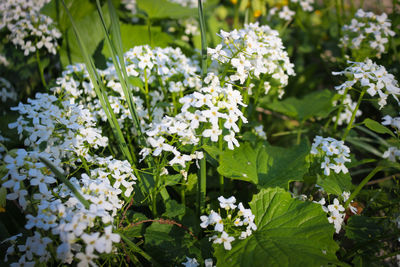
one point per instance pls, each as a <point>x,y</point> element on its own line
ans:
<point>190,262</point>
<point>227,203</point>
<point>226,240</point>
<point>286,13</point>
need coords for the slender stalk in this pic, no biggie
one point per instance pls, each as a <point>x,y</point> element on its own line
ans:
<point>236,17</point>
<point>146,87</point>
<point>149,31</point>
<point>362,184</point>
<point>221,177</point>
<point>299,131</point>
<point>40,69</point>
<point>64,180</point>
<point>353,116</point>
<point>100,90</point>
<point>202,184</point>
<point>340,109</point>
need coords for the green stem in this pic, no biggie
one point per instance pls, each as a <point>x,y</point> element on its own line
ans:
<point>340,109</point>
<point>299,131</point>
<point>149,31</point>
<point>40,68</point>
<point>362,184</point>
<point>64,180</point>
<point>221,177</point>
<point>353,116</point>
<point>202,183</point>
<point>146,87</point>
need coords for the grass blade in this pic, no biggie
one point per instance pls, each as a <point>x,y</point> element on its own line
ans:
<point>114,43</point>
<point>64,180</point>
<point>100,91</point>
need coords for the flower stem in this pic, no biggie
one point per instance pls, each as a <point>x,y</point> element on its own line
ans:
<point>40,69</point>
<point>202,183</point>
<point>353,116</point>
<point>362,184</point>
<point>221,177</point>
<point>340,109</point>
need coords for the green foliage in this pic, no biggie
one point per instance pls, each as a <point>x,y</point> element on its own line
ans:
<point>316,104</point>
<point>159,9</point>
<point>265,165</point>
<point>284,236</point>
<point>335,183</point>
<point>91,32</point>
<point>170,241</point>
<point>377,127</point>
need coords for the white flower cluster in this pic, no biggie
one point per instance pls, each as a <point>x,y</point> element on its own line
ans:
<point>349,106</point>
<point>64,128</point>
<point>167,71</point>
<point>29,29</point>
<point>393,152</point>
<point>367,30</point>
<point>336,211</point>
<point>7,92</point>
<point>243,218</point>
<point>211,112</point>
<point>57,128</point>
<point>375,77</point>
<point>335,153</point>
<point>254,52</point>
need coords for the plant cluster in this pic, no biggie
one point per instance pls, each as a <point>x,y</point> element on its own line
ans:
<point>158,139</point>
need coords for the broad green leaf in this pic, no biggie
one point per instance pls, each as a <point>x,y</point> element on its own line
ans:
<point>170,244</point>
<point>91,33</point>
<point>266,165</point>
<point>315,104</point>
<point>78,10</point>
<point>377,127</point>
<point>158,9</point>
<point>290,233</point>
<point>335,183</point>
<point>174,209</point>
<point>134,231</point>
<point>361,228</point>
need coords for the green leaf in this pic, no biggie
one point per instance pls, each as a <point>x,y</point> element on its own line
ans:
<point>136,231</point>
<point>290,233</point>
<point>361,228</point>
<point>91,34</point>
<point>377,127</point>
<point>158,9</point>
<point>315,104</point>
<point>266,165</point>
<point>173,209</point>
<point>169,244</point>
<point>335,183</point>
<point>78,10</point>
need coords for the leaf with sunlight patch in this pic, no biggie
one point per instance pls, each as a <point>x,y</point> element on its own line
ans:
<point>265,165</point>
<point>290,233</point>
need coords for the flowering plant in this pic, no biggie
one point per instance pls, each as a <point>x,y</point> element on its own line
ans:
<point>153,140</point>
